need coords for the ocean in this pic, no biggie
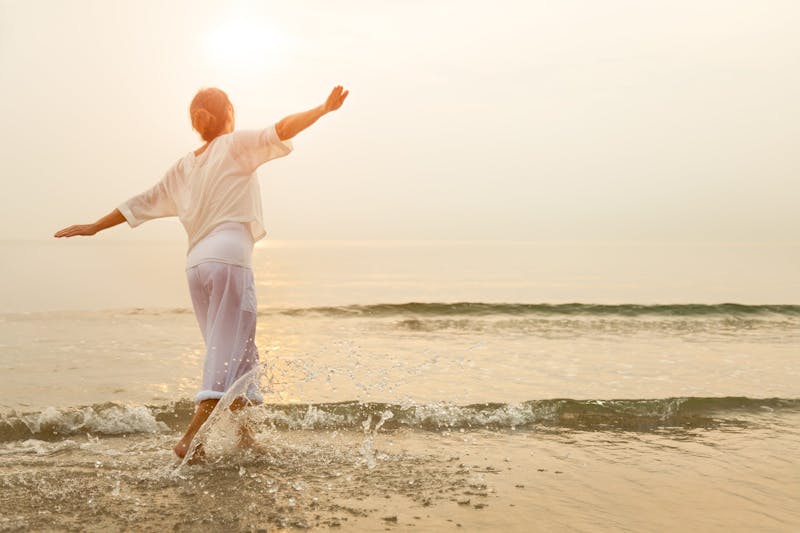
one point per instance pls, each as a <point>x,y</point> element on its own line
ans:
<point>410,386</point>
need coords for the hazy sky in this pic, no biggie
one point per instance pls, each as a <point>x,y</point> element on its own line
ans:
<point>558,120</point>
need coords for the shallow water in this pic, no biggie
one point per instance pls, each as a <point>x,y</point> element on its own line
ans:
<point>419,353</point>
<point>736,476</point>
<point>400,409</point>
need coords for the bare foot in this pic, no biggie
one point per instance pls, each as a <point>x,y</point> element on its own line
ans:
<point>199,455</point>
<point>247,441</point>
<point>182,448</point>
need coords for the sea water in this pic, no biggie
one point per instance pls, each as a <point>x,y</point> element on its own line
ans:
<point>492,386</point>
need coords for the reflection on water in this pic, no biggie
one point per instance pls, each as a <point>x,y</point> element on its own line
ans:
<point>386,413</point>
<point>103,273</point>
<point>155,356</point>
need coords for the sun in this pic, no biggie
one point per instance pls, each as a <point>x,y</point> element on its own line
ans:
<point>243,43</point>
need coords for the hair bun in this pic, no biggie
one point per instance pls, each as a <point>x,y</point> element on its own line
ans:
<point>209,112</point>
<point>202,120</point>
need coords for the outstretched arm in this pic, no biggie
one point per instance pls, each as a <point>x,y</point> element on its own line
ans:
<point>112,219</point>
<point>290,126</point>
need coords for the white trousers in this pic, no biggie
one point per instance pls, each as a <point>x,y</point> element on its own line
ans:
<point>224,300</point>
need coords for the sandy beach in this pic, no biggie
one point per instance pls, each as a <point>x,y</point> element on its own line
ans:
<point>409,416</point>
<point>532,480</point>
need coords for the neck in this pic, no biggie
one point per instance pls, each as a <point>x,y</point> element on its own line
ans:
<point>201,149</point>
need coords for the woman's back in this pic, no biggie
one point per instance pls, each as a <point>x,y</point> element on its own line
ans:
<point>219,185</point>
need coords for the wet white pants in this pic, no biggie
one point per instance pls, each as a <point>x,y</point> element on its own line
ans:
<point>224,300</point>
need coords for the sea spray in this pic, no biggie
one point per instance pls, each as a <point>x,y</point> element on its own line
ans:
<point>589,415</point>
<point>102,419</point>
<point>368,445</point>
<point>239,389</point>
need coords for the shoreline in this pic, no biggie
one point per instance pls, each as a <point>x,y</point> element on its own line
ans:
<point>469,480</point>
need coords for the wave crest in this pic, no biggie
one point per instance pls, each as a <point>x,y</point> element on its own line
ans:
<point>570,309</point>
<point>587,415</point>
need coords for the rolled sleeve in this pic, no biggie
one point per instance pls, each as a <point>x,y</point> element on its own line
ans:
<point>125,209</point>
<point>253,148</point>
<point>281,147</point>
<point>156,202</point>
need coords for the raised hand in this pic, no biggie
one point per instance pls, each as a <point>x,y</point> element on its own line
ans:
<point>78,229</point>
<point>291,125</point>
<point>335,99</point>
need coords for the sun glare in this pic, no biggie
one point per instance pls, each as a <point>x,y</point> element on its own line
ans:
<point>242,43</point>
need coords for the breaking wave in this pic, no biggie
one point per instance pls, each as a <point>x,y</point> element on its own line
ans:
<point>587,415</point>
<point>479,309</point>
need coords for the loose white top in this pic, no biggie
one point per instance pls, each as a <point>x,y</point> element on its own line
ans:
<point>220,185</point>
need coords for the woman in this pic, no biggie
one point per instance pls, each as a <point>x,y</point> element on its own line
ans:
<point>214,192</point>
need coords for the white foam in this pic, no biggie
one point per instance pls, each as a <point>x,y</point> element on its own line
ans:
<point>111,420</point>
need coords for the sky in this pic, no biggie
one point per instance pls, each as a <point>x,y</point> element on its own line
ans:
<point>570,120</point>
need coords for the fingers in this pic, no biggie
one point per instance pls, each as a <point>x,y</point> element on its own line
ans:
<point>339,92</point>
<point>64,232</point>
<point>337,96</point>
<point>71,231</point>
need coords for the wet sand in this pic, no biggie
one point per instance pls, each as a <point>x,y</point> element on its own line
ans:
<point>543,480</point>
<point>515,407</point>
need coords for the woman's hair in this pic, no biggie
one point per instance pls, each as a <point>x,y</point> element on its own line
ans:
<point>209,112</point>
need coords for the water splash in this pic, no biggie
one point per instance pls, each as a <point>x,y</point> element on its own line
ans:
<point>589,415</point>
<point>368,445</point>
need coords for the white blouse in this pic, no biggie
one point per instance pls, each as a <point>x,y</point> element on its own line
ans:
<point>220,185</point>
